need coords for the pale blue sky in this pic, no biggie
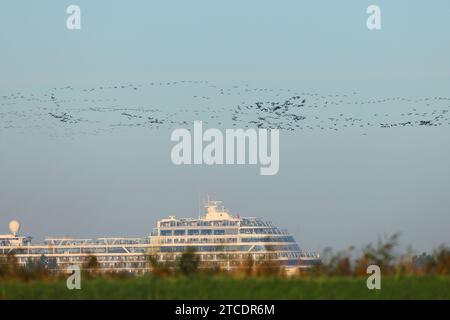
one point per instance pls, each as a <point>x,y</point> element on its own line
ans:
<point>332,189</point>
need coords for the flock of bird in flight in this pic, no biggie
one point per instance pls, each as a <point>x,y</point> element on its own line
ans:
<point>175,104</point>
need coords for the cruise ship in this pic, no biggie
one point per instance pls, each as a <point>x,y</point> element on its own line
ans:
<point>219,238</point>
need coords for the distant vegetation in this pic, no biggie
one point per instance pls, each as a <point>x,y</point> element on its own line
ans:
<point>352,262</point>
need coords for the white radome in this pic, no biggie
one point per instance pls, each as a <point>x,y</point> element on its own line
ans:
<point>14,227</point>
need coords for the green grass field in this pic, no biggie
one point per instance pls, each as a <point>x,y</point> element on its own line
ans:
<point>203,287</point>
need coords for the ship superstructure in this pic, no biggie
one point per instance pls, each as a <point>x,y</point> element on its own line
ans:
<point>219,238</point>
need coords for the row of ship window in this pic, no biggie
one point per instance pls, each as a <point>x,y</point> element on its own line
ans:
<point>198,223</point>
<point>218,232</point>
<point>293,246</point>
<point>79,250</point>
<point>198,240</point>
<point>193,232</point>
<point>247,248</point>
<point>113,260</point>
<point>224,223</point>
<point>106,241</point>
<point>228,240</point>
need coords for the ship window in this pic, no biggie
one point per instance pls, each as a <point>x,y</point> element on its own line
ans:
<point>179,232</point>
<point>193,232</point>
<point>166,232</point>
<point>206,231</point>
<point>219,232</point>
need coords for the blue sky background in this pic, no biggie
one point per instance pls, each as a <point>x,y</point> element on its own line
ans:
<point>332,189</point>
